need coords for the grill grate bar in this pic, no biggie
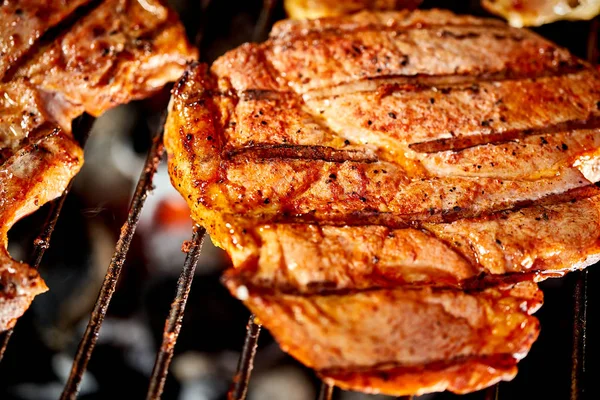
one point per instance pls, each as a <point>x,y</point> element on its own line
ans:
<point>326,391</point>
<point>4,339</point>
<point>493,392</point>
<point>174,321</point>
<point>579,336</point>
<point>86,346</point>
<point>239,387</point>
<point>261,29</point>
<point>81,128</point>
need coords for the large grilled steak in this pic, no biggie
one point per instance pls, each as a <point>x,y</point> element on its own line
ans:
<point>390,185</point>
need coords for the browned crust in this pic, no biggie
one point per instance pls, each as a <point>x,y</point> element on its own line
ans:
<point>358,156</point>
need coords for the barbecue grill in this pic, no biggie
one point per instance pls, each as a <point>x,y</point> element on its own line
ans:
<point>206,31</point>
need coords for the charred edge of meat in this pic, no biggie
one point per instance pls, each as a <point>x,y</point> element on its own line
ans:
<point>415,220</point>
<point>391,83</point>
<point>461,143</point>
<point>414,83</point>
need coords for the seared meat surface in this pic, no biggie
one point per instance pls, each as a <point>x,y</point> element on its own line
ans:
<point>309,9</point>
<point>117,51</point>
<point>405,341</point>
<point>347,161</point>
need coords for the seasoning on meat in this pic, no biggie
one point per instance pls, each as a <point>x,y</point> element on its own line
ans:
<point>347,161</point>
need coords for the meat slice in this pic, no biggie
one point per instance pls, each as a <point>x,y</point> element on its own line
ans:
<point>335,182</point>
<point>121,51</point>
<point>348,164</point>
<point>540,12</point>
<point>37,161</point>
<point>529,244</point>
<point>301,9</point>
<point>117,52</point>
<point>405,341</point>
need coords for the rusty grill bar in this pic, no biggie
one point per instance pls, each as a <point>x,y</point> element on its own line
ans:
<point>579,336</point>
<point>173,323</point>
<point>86,347</point>
<point>239,386</point>
<point>325,392</point>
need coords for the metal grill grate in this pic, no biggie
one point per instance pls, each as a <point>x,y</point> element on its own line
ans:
<point>239,387</point>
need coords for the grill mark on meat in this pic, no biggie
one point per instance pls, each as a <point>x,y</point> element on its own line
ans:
<point>461,143</point>
<point>288,151</point>
<point>513,34</point>
<point>414,220</point>
<point>50,36</point>
<point>262,94</point>
<point>389,84</point>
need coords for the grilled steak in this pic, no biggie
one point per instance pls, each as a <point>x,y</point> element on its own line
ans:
<point>347,158</point>
<point>118,51</point>
<point>309,9</point>
<point>539,12</point>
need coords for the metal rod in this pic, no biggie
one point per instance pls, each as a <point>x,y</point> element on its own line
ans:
<point>579,336</point>
<point>493,392</point>
<point>239,387</point>
<point>326,391</point>
<point>4,339</point>
<point>174,321</point>
<point>592,41</point>
<point>42,242</point>
<point>86,346</point>
<point>264,19</point>
<point>81,128</point>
